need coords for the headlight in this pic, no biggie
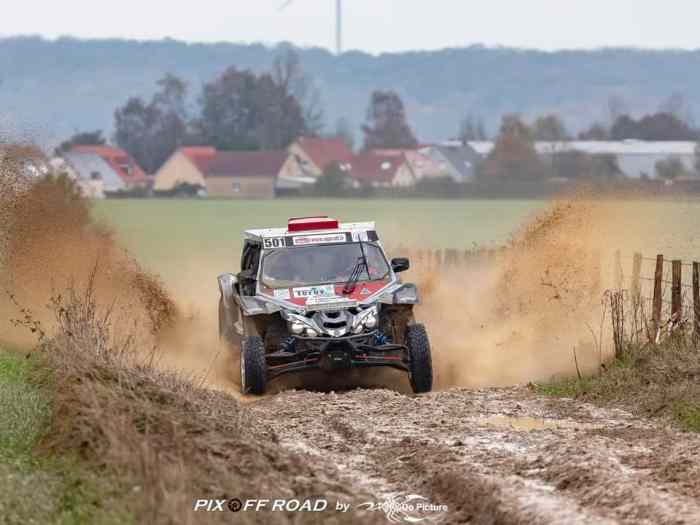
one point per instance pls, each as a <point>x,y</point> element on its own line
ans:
<point>296,327</point>
<point>365,319</point>
<point>310,332</point>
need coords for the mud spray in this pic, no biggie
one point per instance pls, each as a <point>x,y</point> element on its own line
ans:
<point>514,317</point>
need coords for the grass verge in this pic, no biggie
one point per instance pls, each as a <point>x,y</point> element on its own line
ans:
<point>41,488</point>
<point>650,380</point>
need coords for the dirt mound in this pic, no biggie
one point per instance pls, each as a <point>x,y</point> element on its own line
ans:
<point>50,241</point>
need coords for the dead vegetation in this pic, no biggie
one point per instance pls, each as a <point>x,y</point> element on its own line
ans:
<point>165,438</point>
<point>653,374</point>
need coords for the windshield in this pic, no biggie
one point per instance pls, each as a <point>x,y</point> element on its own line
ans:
<point>308,265</point>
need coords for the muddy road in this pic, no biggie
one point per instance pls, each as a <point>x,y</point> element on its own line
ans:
<point>494,455</point>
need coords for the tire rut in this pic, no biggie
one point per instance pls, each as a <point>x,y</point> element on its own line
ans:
<point>495,455</point>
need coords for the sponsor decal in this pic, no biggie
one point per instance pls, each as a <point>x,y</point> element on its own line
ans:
<point>364,291</point>
<point>328,238</point>
<point>274,242</point>
<point>359,236</point>
<point>306,292</point>
<point>282,293</point>
<point>318,299</point>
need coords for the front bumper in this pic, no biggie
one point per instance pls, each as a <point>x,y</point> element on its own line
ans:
<point>336,353</point>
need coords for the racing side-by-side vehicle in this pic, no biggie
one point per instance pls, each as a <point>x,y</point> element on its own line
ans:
<point>321,295</point>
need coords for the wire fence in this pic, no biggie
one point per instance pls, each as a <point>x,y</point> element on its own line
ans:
<point>656,297</point>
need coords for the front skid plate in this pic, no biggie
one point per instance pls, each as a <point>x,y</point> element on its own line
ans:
<point>335,357</point>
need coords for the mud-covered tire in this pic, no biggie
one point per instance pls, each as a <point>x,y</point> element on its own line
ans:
<point>253,366</point>
<point>420,371</point>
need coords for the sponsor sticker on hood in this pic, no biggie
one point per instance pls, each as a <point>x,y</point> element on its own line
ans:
<point>327,290</point>
<point>282,293</point>
<point>326,238</point>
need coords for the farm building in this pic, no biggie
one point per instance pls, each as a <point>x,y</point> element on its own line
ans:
<point>186,168</point>
<point>420,162</point>
<point>636,158</point>
<point>233,174</point>
<point>381,171</point>
<point>91,173</point>
<point>308,157</point>
<point>459,162</point>
<point>126,168</point>
<point>244,174</point>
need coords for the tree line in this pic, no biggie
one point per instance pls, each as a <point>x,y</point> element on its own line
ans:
<point>239,110</point>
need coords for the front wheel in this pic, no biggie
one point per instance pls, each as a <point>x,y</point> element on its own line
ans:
<point>421,365</point>
<point>253,366</point>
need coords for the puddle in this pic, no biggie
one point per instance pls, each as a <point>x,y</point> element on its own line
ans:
<point>527,424</point>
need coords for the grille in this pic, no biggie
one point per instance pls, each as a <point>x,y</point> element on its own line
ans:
<point>332,320</point>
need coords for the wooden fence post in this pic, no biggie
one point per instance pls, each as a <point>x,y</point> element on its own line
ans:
<point>657,301</point>
<point>676,290</point>
<point>636,287</point>
<point>696,299</point>
<point>617,277</point>
<point>450,257</point>
<point>597,276</point>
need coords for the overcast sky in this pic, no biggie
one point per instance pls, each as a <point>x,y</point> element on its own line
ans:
<point>371,25</point>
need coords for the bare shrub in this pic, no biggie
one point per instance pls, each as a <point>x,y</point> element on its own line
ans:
<point>167,440</point>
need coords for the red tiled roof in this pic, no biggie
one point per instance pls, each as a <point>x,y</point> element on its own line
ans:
<point>118,159</point>
<point>371,167</point>
<point>324,151</point>
<point>246,163</point>
<point>200,156</point>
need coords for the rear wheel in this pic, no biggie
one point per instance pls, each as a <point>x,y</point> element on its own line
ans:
<point>253,366</point>
<point>421,364</point>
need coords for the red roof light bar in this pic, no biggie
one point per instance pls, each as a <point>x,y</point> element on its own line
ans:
<point>304,224</point>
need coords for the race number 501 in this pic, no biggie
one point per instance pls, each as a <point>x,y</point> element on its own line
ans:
<point>277,242</point>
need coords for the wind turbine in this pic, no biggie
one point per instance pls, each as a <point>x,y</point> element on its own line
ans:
<point>338,23</point>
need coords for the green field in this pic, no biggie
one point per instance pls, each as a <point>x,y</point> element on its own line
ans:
<point>165,234</point>
<point>196,239</point>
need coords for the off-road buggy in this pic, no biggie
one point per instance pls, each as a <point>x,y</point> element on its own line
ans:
<point>321,295</point>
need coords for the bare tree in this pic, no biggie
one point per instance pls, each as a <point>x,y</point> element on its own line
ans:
<point>289,75</point>
<point>472,129</point>
<point>387,126</point>
<point>550,128</point>
<point>677,105</point>
<point>616,107</point>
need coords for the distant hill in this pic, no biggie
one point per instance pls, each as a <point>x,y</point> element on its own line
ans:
<point>50,88</point>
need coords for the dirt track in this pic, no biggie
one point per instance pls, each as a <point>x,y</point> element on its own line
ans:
<point>495,456</point>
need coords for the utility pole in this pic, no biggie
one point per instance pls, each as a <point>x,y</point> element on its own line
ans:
<point>339,26</point>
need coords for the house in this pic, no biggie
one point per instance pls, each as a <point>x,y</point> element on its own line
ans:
<point>635,158</point>
<point>308,157</point>
<point>459,162</point>
<point>130,173</point>
<point>379,170</point>
<point>251,174</point>
<point>244,174</point>
<point>93,175</point>
<point>419,161</point>
<point>186,168</point>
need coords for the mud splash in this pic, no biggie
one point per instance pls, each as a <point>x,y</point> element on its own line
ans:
<point>518,316</point>
<point>533,309</point>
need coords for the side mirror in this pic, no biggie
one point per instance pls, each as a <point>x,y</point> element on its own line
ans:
<point>400,264</point>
